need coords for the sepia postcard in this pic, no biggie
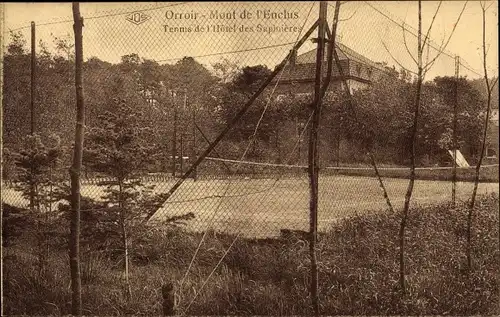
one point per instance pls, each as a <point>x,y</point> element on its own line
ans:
<point>250,158</point>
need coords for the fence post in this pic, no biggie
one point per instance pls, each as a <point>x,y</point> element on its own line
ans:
<point>168,303</point>
<point>75,170</point>
<point>33,77</point>
<point>313,157</point>
<point>3,272</point>
<point>184,124</point>
<point>455,145</point>
<point>32,103</point>
<point>194,153</point>
<point>181,163</point>
<point>174,137</point>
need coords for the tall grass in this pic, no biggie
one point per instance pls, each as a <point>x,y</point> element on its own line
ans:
<point>357,259</point>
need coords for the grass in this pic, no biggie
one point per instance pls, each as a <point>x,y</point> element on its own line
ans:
<point>262,207</point>
<point>487,173</point>
<point>357,259</point>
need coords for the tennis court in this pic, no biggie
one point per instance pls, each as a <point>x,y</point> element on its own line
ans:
<point>264,206</point>
<point>261,207</point>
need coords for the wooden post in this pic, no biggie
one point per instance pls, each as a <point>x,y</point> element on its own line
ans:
<point>75,170</point>
<point>168,303</point>
<point>174,138</point>
<point>455,145</point>
<point>33,77</point>
<point>313,157</point>
<point>32,106</point>
<point>181,162</point>
<point>183,124</point>
<point>194,152</point>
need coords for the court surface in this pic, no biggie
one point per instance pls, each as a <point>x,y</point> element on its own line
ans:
<point>261,207</point>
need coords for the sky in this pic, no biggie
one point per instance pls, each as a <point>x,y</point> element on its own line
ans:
<point>251,33</point>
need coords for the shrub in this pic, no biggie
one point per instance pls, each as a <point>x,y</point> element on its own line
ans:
<point>357,260</point>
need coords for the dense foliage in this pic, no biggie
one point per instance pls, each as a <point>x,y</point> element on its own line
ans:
<point>180,94</point>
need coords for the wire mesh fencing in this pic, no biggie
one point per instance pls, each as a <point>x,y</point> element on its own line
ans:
<point>198,116</point>
<point>173,64</point>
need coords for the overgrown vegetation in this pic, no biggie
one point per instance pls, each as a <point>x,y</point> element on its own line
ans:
<point>171,95</point>
<point>357,262</point>
<point>117,148</point>
<point>38,174</point>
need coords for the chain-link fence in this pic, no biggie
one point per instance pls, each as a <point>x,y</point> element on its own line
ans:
<point>198,116</point>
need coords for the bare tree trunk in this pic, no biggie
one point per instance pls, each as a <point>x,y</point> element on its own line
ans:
<point>489,88</point>
<point>124,235</point>
<point>74,248</point>
<point>32,105</point>
<point>39,227</point>
<point>174,140</point>
<point>409,191</point>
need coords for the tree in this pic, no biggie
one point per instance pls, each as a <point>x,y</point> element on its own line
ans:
<point>383,119</point>
<point>226,70</point>
<point>192,85</point>
<point>76,167</point>
<point>16,92</point>
<point>381,115</point>
<point>419,98</point>
<point>36,180</point>
<point>116,147</point>
<point>490,86</point>
<point>469,123</point>
<point>237,93</point>
<point>53,92</point>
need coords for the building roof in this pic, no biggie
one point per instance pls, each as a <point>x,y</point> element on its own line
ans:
<point>304,68</point>
<point>343,52</point>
